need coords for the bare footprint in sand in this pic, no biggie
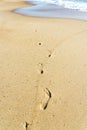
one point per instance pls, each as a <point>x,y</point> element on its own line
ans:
<point>40,67</point>
<point>26,125</point>
<point>46,99</point>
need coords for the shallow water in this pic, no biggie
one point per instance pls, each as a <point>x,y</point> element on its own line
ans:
<point>75,9</point>
<point>71,4</point>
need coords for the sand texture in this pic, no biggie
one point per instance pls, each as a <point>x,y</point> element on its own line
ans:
<point>43,72</point>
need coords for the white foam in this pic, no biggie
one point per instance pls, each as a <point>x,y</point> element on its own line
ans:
<point>81,6</point>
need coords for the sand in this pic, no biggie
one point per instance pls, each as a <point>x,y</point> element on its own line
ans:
<point>43,72</point>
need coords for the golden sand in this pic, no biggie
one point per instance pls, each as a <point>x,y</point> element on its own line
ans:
<point>43,72</point>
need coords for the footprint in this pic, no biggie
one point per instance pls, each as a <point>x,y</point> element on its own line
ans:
<point>41,71</point>
<point>40,66</point>
<point>39,43</point>
<point>26,125</point>
<point>46,99</point>
<point>50,53</point>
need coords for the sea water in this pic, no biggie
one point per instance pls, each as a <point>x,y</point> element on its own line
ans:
<point>76,9</point>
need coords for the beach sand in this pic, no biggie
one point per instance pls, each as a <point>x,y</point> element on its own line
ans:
<point>43,72</point>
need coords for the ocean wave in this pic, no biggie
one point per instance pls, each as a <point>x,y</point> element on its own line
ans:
<point>55,9</point>
<point>71,4</point>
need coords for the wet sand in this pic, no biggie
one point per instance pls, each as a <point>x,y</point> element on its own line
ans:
<point>43,72</point>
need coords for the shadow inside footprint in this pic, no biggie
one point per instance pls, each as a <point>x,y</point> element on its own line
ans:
<point>26,125</point>
<point>46,99</point>
<point>42,71</point>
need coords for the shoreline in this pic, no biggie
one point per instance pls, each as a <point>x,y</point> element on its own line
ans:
<point>51,11</point>
<point>43,72</point>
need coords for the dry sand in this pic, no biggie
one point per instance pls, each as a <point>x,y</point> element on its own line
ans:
<point>43,72</point>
